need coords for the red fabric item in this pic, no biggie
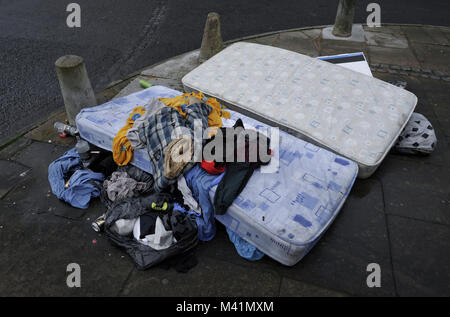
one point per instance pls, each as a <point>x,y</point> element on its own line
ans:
<point>212,168</point>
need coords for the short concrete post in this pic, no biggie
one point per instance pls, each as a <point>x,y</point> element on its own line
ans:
<point>344,18</point>
<point>75,85</point>
<point>212,37</point>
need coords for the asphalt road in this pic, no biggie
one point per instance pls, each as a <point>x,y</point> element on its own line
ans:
<point>118,37</point>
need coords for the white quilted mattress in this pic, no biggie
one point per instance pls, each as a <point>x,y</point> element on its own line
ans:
<point>352,114</point>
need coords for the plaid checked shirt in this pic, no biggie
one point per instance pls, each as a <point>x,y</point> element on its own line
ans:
<point>163,127</point>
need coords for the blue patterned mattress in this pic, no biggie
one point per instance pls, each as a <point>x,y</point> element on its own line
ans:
<point>285,207</point>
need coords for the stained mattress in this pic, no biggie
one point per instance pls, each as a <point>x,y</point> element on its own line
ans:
<point>286,205</point>
<point>349,113</point>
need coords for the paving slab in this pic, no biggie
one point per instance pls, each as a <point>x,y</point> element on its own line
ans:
<point>385,28</point>
<point>433,56</point>
<point>293,36</point>
<point>339,260</point>
<point>37,248</point>
<point>222,249</point>
<point>171,83</point>
<point>440,156</point>
<point>392,56</point>
<point>427,34</point>
<point>377,38</point>
<point>209,278</point>
<point>422,205</point>
<point>135,86</point>
<point>442,111</point>
<point>174,68</point>
<point>132,87</point>
<point>265,40</point>
<point>8,152</point>
<point>414,175</point>
<point>439,102</point>
<point>46,133</point>
<point>293,288</point>
<point>113,89</point>
<point>357,238</point>
<point>446,32</point>
<point>422,267</point>
<point>312,33</point>
<point>12,173</point>
<point>298,42</point>
<point>34,192</point>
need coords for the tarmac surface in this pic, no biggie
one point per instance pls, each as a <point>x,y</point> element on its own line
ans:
<point>118,37</point>
<point>398,218</point>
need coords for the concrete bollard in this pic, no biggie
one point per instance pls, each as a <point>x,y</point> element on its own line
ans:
<point>212,38</point>
<point>75,85</point>
<point>344,18</point>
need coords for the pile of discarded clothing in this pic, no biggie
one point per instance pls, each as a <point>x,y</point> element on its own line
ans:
<point>160,217</point>
<point>150,226</point>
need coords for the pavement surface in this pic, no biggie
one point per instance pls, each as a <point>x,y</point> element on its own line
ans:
<point>398,218</point>
<point>118,37</point>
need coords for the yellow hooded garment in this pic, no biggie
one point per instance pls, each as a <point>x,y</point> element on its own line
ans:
<point>122,149</point>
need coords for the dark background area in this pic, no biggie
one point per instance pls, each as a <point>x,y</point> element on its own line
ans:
<point>118,37</point>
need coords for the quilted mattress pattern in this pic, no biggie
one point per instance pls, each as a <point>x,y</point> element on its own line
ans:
<point>287,205</point>
<point>352,114</point>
